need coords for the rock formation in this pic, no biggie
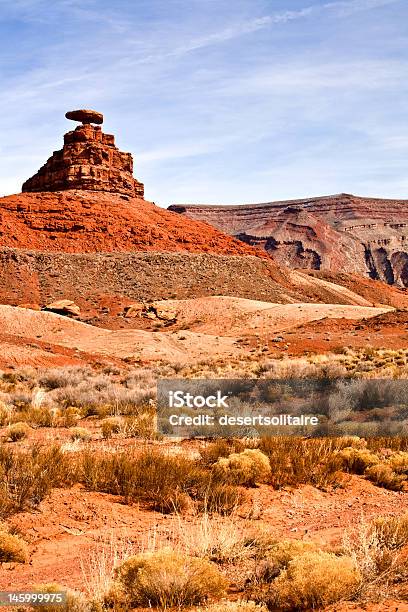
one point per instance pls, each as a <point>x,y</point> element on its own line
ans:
<point>341,233</point>
<point>89,160</point>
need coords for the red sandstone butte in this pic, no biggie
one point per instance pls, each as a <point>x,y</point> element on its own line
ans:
<point>88,160</point>
<point>85,200</point>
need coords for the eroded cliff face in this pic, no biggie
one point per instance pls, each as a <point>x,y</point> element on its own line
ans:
<point>341,233</point>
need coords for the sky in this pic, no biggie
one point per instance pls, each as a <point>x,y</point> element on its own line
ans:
<point>219,101</point>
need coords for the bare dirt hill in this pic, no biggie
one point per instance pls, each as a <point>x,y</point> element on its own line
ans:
<point>206,328</point>
<point>80,221</point>
<point>235,316</point>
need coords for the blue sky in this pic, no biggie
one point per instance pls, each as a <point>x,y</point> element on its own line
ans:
<point>220,101</point>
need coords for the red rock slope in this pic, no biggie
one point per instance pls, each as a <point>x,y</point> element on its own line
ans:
<point>79,221</point>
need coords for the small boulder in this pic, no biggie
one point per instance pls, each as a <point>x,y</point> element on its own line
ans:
<point>165,313</point>
<point>64,307</point>
<point>134,310</point>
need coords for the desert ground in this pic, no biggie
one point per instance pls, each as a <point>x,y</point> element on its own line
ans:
<point>89,487</point>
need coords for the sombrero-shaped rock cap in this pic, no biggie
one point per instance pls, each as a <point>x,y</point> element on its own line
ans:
<point>85,116</point>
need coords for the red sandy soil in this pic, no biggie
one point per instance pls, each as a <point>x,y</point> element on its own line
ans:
<point>87,222</point>
<point>388,330</point>
<point>72,523</point>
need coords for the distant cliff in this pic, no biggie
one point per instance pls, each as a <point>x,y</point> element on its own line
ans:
<point>340,233</point>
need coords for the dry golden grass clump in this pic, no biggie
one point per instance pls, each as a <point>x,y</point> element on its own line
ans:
<point>220,448</point>
<point>221,498</point>
<point>383,475</point>
<point>356,460</point>
<point>80,433</point>
<point>279,555</point>
<point>74,602</point>
<point>379,550</point>
<point>245,468</point>
<point>110,426</point>
<point>4,414</point>
<point>166,579</point>
<point>142,425</point>
<point>296,461</point>
<point>69,416</point>
<point>12,548</point>
<point>399,463</point>
<point>18,431</point>
<point>313,580</point>
<point>28,477</point>
<point>169,483</point>
<point>391,531</point>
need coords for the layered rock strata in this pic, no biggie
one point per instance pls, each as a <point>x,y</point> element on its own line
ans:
<point>340,233</point>
<point>89,160</point>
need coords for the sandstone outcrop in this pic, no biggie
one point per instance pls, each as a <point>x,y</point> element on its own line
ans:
<point>341,233</point>
<point>64,307</point>
<point>89,160</point>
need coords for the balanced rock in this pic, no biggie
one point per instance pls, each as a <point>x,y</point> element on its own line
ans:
<point>85,116</point>
<point>89,160</point>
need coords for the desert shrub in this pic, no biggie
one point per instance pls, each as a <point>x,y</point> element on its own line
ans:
<point>220,448</point>
<point>110,426</point>
<point>166,578</point>
<point>12,548</point>
<point>382,475</point>
<point>221,498</point>
<point>101,396</point>
<point>28,477</point>
<point>58,378</point>
<point>74,602</point>
<point>18,431</point>
<point>80,433</point>
<point>4,414</point>
<point>278,556</point>
<point>162,480</point>
<point>355,460</point>
<point>399,463</point>
<point>69,416</point>
<point>244,468</point>
<point>391,531</point>
<point>313,580</point>
<point>297,461</point>
<point>41,416</point>
<point>168,483</point>
<point>234,606</point>
<point>22,400</point>
<point>378,550</point>
<point>396,443</point>
<point>142,426</point>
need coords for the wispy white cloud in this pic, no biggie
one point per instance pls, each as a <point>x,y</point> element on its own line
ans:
<point>208,106</point>
<point>236,30</point>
